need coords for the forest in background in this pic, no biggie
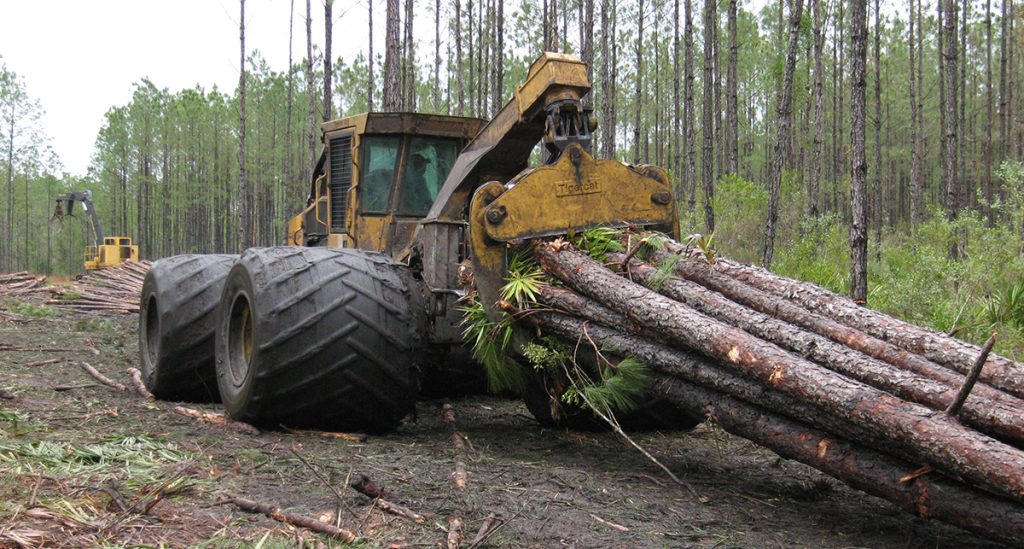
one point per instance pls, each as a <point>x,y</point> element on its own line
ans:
<point>751,113</point>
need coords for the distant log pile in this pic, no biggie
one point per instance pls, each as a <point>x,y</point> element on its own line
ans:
<point>873,401</point>
<point>114,290</point>
<point>20,284</point>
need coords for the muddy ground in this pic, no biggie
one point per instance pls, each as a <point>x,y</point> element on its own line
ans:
<point>80,463</point>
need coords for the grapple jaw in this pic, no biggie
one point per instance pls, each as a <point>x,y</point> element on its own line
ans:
<point>573,194</point>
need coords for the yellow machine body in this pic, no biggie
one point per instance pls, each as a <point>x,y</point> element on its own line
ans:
<point>481,194</point>
<point>114,251</point>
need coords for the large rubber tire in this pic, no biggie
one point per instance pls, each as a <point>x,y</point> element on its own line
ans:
<point>177,318</point>
<point>311,337</point>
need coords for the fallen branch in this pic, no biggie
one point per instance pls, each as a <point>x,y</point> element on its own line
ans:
<point>43,362</point>
<point>102,378</point>
<point>353,437</point>
<point>295,520</point>
<point>362,484</point>
<point>138,385</point>
<point>211,417</point>
<point>972,378</point>
<point>455,533</point>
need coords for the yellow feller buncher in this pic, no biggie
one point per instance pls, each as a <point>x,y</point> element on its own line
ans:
<point>341,328</point>
<point>108,251</point>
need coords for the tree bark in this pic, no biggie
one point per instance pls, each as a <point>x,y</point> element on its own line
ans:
<point>677,112</point>
<point>371,82</point>
<point>244,200</point>
<point>690,156</point>
<point>783,115</point>
<point>328,77</point>
<point>814,184</point>
<point>707,159</point>
<point>916,179</point>
<point>460,89</point>
<point>409,61</point>
<point>392,100</point>
<point>990,411</point>
<point>639,97</point>
<point>877,198</point>
<point>858,152</point>
<point>1004,42</point>
<point>311,133</point>
<point>1000,372</point>
<point>947,444</point>
<point>949,111</point>
<point>929,496</point>
<point>986,148</point>
<point>731,105</point>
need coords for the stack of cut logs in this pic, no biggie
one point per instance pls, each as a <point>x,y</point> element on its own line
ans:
<point>114,290</point>
<point>871,400</point>
<point>14,285</point>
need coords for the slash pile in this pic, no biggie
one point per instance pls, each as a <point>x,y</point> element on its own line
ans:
<point>114,290</point>
<point>808,374</point>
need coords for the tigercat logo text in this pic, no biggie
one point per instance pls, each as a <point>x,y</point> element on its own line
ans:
<point>574,188</point>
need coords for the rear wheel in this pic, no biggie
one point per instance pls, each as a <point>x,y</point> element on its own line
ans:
<point>311,337</point>
<point>177,318</point>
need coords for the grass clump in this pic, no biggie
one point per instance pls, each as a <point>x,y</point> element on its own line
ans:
<point>25,308</point>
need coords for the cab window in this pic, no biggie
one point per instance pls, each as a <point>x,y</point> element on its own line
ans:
<point>428,163</point>
<point>380,154</point>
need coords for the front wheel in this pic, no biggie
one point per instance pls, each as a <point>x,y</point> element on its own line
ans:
<point>311,337</point>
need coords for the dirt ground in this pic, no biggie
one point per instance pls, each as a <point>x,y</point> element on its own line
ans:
<point>84,465</point>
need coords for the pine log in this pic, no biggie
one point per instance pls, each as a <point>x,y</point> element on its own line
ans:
<point>948,444</point>
<point>702,371</point>
<point>990,410</point>
<point>929,496</point>
<point>783,309</point>
<point>1000,372</point>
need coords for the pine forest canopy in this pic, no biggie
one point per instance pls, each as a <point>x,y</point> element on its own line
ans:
<point>942,129</point>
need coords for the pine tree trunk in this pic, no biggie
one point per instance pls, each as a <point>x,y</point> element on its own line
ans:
<point>288,181</point>
<point>1004,42</point>
<point>460,88</point>
<point>731,106</point>
<point>371,82</point>
<point>311,133</point>
<point>707,160</point>
<point>916,179</point>
<point>437,55</point>
<point>328,78</point>
<point>639,97</point>
<point>244,200</point>
<point>783,116</point>
<point>392,100</point>
<point>859,164</point>
<point>814,183</point>
<point>606,84</point>
<point>409,62</point>
<point>689,110</point>
<point>677,162</point>
<point>986,149</point>
<point>949,109</point>
<point>878,201</point>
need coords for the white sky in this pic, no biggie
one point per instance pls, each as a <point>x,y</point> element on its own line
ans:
<point>80,57</point>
